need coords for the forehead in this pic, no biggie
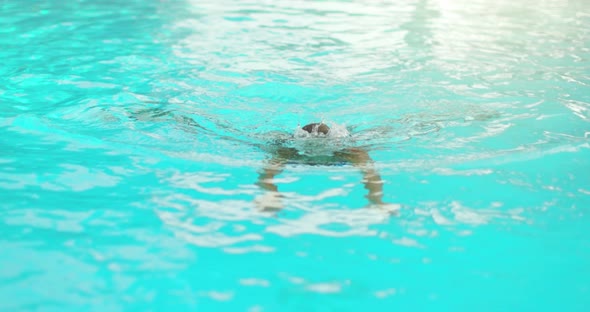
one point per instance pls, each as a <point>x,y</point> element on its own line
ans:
<point>310,126</point>
<point>320,127</point>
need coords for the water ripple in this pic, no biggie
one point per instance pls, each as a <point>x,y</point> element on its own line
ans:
<point>134,136</point>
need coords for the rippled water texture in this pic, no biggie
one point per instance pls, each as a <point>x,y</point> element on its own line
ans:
<point>133,134</point>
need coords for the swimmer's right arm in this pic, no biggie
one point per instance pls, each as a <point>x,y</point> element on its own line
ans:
<point>265,178</point>
<point>271,199</point>
<point>275,167</point>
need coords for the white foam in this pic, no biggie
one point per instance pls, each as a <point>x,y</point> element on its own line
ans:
<point>338,131</point>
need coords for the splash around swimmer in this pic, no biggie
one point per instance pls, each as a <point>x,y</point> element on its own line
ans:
<point>308,146</point>
<point>283,155</point>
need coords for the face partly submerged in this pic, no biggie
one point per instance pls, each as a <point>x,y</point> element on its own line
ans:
<point>317,128</point>
<point>319,139</point>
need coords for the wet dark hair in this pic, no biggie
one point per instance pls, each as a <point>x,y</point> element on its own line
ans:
<point>318,127</point>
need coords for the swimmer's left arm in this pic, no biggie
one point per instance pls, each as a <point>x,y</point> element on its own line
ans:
<point>371,178</point>
<point>374,184</point>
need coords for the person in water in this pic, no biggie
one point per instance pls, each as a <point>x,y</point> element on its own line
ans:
<point>284,155</point>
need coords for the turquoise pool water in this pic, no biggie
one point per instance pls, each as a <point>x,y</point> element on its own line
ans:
<point>132,135</point>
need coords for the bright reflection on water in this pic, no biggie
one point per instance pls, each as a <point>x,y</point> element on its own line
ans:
<point>135,135</point>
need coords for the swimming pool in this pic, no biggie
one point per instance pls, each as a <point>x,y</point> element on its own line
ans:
<point>133,134</point>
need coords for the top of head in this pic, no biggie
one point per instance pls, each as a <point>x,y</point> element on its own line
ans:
<point>317,127</point>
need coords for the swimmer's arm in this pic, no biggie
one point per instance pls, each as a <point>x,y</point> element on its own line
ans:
<point>374,184</point>
<point>371,178</point>
<point>266,176</point>
<point>271,201</point>
<point>274,167</point>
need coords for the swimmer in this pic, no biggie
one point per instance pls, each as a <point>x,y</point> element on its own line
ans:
<point>354,156</point>
<point>282,155</point>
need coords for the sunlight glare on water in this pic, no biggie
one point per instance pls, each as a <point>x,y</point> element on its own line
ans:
<point>138,138</point>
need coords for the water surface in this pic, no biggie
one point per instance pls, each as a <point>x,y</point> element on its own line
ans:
<point>133,134</point>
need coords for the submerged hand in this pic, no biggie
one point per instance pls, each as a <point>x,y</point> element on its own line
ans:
<point>269,202</point>
<point>391,209</point>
